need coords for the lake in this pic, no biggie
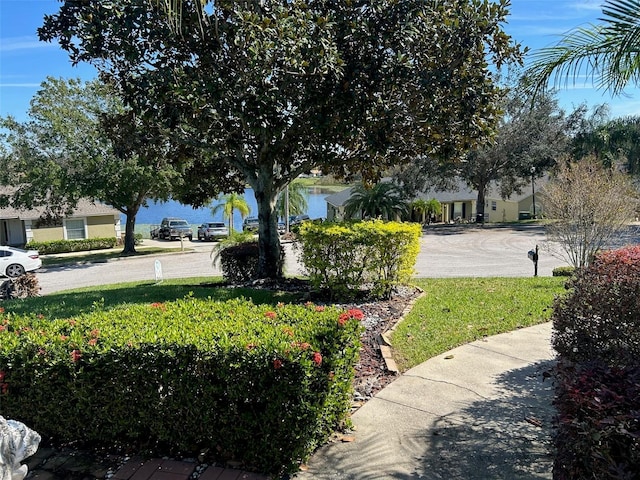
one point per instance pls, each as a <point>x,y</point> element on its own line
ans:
<point>156,211</point>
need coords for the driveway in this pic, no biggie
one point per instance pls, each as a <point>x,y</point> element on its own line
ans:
<point>446,251</point>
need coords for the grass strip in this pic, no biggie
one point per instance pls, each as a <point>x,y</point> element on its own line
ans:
<point>455,311</point>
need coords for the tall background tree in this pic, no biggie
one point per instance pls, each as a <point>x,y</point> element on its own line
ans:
<point>530,136</point>
<point>80,141</point>
<point>273,89</point>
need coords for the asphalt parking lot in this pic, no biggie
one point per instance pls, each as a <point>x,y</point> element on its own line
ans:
<point>446,251</point>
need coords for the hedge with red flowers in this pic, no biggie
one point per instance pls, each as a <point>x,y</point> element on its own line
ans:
<point>256,384</point>
<point>597,334</point>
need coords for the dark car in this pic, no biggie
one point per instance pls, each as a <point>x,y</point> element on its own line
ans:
<point>212,230</point>
<point>297,219</point>
<point>250,224</point>
<point>172,229</point>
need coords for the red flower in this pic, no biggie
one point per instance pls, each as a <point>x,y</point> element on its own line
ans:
<point>317,358</point>
<point>277,363</point>
<point>93,341</point>
<point>2,374</point>
<point>301,345</point>
<point>1,309</point>
<point>40,316</point>
<point>250,346</point>
<point>159,305</point>
<point>270,314</point>
<point>72,322</point>
<point>2,327</point>
<point>95,332</point>
<point>76,355</point>
<point>64,337</point>
<point>343,318</point>
<point>356,313</point>
<point>320,308</point>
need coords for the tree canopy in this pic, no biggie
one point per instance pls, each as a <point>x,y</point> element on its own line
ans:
<point>81,141</point>
<point>271,89</point>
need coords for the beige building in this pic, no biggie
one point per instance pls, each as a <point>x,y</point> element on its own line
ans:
<point>88,220</point>
<point>459,204</point>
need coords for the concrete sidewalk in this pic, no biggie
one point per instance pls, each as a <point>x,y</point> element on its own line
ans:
<point>480,411</point>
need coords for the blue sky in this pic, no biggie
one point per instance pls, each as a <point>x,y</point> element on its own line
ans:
<point>25,62</point>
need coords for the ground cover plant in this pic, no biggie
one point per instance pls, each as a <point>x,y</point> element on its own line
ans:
<point>454,311</point>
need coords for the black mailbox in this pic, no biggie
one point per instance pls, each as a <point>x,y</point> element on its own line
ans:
<point>533,255</point>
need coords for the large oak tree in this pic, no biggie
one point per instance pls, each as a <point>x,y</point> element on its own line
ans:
<point>271,89</point>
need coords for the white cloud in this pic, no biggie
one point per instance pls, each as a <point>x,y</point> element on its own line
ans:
<point>14,44</point>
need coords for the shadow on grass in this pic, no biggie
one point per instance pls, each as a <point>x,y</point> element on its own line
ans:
<point>75,302</point>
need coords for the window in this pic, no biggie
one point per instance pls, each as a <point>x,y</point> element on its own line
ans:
<point>75,229</point>
<point>494,205</point>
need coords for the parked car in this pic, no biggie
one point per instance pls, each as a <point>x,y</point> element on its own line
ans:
<point>16,261</point>
<point>212,230</point>
<point>172,228</point>
<point>250,224</point>
<point>297,219</point>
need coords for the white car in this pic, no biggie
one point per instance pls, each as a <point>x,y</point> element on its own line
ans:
<point>15,261</point>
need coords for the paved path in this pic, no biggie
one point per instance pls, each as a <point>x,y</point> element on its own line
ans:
<point>480,411</point>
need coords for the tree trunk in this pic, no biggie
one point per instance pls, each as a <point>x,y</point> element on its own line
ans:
<point>480,203</point>
<point>129,231</point>
<point>270,264</point>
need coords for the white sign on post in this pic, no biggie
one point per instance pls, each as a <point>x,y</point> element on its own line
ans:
<point>158,269</point>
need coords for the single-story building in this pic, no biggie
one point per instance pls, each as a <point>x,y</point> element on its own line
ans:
<point>88,220</point>
<point>459,204</point>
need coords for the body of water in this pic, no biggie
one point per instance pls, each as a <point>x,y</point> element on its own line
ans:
<point>156,211</point>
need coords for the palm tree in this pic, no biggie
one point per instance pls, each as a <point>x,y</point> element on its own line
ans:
<point>608,52</point>
<point>228,204</point>
<point>297,200</point>
<point>384,199</point>
<point>427,208</point>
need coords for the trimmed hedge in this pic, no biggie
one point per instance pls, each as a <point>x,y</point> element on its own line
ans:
<point>563,271</point>
<point>345,258</point>
<point>257,384</point>
<point>67,246</point>
<point>597,334</point>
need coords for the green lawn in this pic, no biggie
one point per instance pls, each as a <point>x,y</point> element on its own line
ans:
<point>454,311</point>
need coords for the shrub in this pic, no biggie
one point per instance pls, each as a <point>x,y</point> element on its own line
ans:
<point>598,422</point>
<point>239,255</point>
<point>563,271</point>
<point>343,258</point>
<point>67,246</point>
<point>260,384</point>
<point>600,316</point>
<point>597,334</point>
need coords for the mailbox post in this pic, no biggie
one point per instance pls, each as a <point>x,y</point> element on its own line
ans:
<point>533,256</point>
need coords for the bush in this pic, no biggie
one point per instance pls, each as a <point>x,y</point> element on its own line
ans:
<point>600,317</point>
<point>258,384</point>
<point>239,255</point>
<point>345,258</point>
<point>563,271</point>
<point>67,246</point>
<point>597,334</point>
<point>598,422</point>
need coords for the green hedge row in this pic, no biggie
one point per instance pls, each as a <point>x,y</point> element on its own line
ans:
<point>66,246</point>
<point>262,385</point>
<point>343,258</point>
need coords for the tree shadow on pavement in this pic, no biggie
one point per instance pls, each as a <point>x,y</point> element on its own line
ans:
<point>505,438</point>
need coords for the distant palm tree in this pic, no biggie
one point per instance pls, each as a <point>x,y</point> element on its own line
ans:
<point>297,200</point>
<point>609,51</point>
<point>427,208</point>
<point>229,203</point>
<point>384,200</point>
